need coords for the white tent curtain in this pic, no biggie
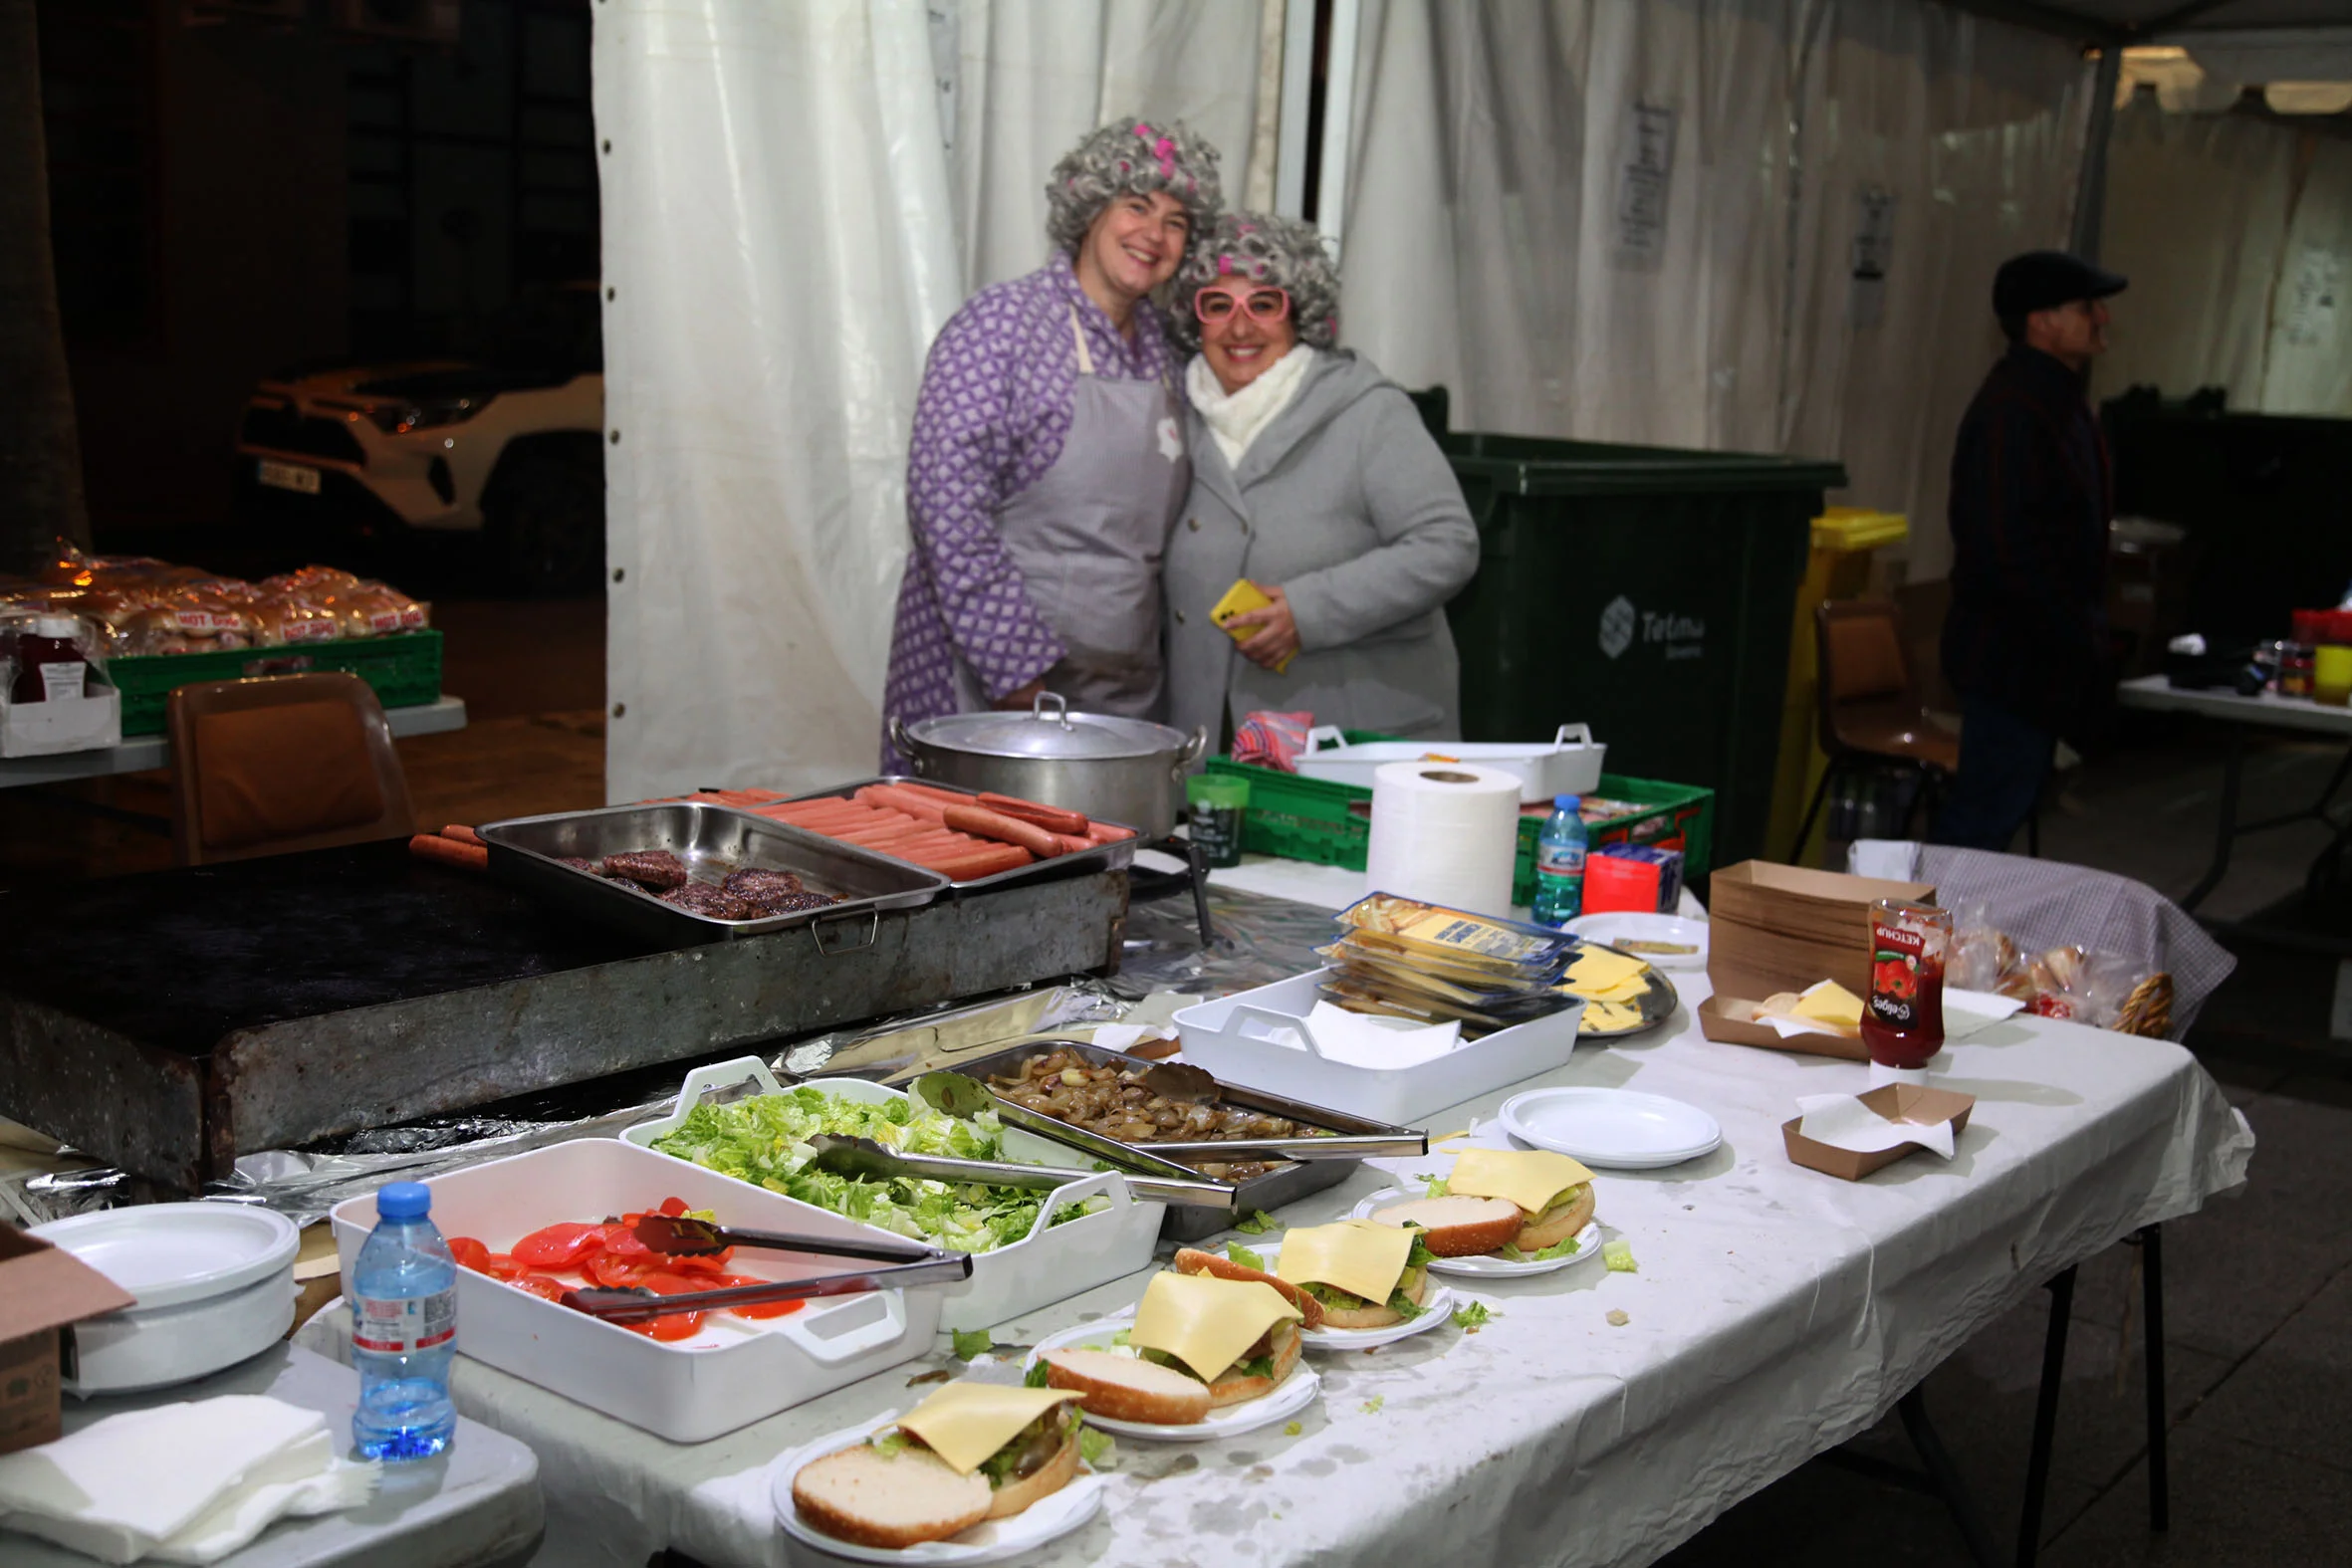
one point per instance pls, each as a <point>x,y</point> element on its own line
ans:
<point>796,198</point>
<point>2310,358</point>
<point>1506,238</point>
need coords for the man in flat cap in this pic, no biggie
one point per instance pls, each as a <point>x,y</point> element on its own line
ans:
<point>2025,641</point>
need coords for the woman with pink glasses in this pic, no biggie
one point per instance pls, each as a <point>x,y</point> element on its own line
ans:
<point>1313,479</point>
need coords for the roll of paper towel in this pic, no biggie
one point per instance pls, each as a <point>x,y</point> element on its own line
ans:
<point>1445,833</point>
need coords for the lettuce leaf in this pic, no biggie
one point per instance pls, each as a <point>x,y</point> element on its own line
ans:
<point>1244,1256</point>
<point>1565,1246</point>
<point>1099,1449</point>
<point>764,1139</point>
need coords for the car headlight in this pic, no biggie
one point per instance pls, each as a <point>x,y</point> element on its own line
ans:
<point>400,418</point>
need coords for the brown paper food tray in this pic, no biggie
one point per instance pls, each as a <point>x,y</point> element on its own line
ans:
<point>1741,959</point>
<point>43,1287</point>
<point>1728,1020</point>
<point>1824,905</point>
<point>1919,1104</point>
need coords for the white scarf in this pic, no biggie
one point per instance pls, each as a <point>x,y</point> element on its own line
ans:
<point>1236,418</point>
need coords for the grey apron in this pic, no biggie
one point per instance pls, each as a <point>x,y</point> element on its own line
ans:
<point>1088,538</point>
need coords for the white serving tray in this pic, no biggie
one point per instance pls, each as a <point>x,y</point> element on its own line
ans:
<point>735,1372</point>
<point>1047,1265</point>
<point>1569,764</point>
<point>1230,1036</point>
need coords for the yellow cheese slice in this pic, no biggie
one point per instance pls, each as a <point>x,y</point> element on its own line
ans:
<point>965,1422</point>
<point>1831,1004</point>
<point>1205,1322</point>
<point>1620,990</point>
<point>1530,1177</point>
<point>1360,1257</point>
<point>1608,1018</point>
<point>1594,969</point>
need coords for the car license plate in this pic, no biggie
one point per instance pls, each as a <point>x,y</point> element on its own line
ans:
<point>290,476</point>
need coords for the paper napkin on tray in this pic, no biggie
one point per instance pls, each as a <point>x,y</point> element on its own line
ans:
<point>188,1483</point>
<point>1842,1121</point>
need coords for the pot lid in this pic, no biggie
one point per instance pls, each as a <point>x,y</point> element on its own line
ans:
<point>1047,730</point>
<point>169,1253</point>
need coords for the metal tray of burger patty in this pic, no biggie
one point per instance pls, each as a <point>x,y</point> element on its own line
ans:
<point>1115,856</point>
<point>1286,1181</point>
<point>712,840</point>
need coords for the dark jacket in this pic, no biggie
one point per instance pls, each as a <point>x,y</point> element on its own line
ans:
<point>2031,495</point>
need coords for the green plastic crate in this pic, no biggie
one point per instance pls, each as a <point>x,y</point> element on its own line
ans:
<point>1331,824</point>
<point>404,671</point>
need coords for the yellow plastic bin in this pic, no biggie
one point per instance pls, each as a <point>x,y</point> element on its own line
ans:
<point>1839,568</point>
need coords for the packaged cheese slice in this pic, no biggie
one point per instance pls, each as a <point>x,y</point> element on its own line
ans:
<point>1355,1255</point>
<point>1530,1177</point>
<point>1506,947</point>
<point>1205,1322</point>
<point>965,1422</point>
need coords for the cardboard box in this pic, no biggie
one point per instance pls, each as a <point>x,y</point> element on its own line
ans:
<point>44,729</point>
<point>1731,1019</point>
<point>1919,1104</point>
<point>1793,901</point>
<point>43,1288</point>
<point>1775,928</point>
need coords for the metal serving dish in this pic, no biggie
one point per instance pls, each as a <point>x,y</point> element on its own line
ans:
<point>1105,858</point>
<point>529,852</point>
<point>1286,1183</point>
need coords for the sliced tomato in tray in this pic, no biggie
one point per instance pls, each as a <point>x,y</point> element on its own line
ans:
<point>540,1286</point>
<point>470,1254</point>
<point>560,1245</point>
<point>763,1310</point>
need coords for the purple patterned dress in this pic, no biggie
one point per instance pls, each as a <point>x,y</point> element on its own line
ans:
<point>989,421</point>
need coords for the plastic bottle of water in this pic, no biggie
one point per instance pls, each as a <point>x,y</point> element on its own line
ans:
<point>403,1331</point>
<point>1559,863</point>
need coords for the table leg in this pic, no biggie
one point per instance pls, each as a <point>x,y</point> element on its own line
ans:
<point>2045,1418</point>
<point>1946,1476</point>
<point>2151,1243</point>
<point>2232,765</point>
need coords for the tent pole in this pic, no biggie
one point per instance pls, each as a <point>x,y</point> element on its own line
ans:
<point>1338,122</point>
<point>1289,182</point>
<point>2090,188</point>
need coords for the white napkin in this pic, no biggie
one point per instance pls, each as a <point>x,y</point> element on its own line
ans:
<point>1842,1121</point>
<point>1361,1040</point>
<point>1126,1037</point>
<point>1965,1011</point>
<point>188,1482</point>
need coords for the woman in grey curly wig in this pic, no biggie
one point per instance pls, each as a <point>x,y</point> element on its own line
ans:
<point>1048,453</point>
<point>1317,492</point>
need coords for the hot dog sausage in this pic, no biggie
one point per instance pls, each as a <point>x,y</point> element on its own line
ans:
<point>449,852</point>
<point>1053,818</point>
<point>984,823</point>
<point>464,836</point>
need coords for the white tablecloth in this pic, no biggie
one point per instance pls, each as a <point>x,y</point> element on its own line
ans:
<point>1777,1312</point>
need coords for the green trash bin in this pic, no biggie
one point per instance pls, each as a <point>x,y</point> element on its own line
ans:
<point>1645,591</point>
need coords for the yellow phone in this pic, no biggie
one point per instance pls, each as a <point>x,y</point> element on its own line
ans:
<point>1239,599</point>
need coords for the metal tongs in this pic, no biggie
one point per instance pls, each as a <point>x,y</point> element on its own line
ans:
<point>913,1264</point>
<point>863,1157</point>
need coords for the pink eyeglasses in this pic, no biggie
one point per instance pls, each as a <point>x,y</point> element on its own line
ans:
<point>1264,305</point>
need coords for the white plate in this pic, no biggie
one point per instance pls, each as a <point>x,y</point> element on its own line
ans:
<point>1621,927</point>
<point>1486,1265</point>
<point>1619,1128</point>
<point>1295,1393</point>
<point>169,1254</point>
<point>1435,1310</point>
<point>992,1540</point>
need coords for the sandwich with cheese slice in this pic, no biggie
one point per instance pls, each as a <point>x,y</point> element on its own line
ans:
<point>1198,1343</point>
<point>1520,1205</point>
<point>971,1451</point>
<point>1352,1276</point>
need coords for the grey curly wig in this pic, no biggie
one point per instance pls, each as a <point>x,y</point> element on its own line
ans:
<point>1281,253</point>
<point>1131,157</point>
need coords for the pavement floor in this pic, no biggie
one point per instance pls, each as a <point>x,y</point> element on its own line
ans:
<point>2257,1298</point>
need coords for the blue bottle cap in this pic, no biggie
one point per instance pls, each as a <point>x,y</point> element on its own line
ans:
<point>404,1201</point>
<point>1567,802</point>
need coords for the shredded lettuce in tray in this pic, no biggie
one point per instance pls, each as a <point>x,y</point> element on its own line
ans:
<point>765,1139</point>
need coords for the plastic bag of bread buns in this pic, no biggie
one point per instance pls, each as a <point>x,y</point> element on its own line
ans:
<point>154,630</point>
<point>211,618</point>
<point>280,619</point>
<point>376,609</point>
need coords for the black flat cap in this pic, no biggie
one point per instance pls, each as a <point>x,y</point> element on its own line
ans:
<point>2042,280</point>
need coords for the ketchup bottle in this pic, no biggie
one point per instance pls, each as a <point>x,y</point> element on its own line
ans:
<point>47,664</point>
<point>1903,1021</point>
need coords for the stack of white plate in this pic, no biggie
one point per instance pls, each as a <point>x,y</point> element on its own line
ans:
<point>214,1284</point>
<point>1615,1129</point>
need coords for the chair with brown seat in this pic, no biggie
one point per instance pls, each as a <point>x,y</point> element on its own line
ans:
<point>279,764</point>
<point>1869,709</point>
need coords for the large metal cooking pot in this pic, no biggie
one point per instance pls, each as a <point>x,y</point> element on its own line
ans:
<point>1127,770</point>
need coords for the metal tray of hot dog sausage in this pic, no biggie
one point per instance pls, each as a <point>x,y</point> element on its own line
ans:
<point>1105,858</point>
<point>1288,1181</point>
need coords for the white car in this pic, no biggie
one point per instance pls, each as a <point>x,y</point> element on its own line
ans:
<point>511,445</point>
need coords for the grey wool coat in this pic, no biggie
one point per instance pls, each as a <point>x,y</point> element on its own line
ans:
<point>1346,503</point>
